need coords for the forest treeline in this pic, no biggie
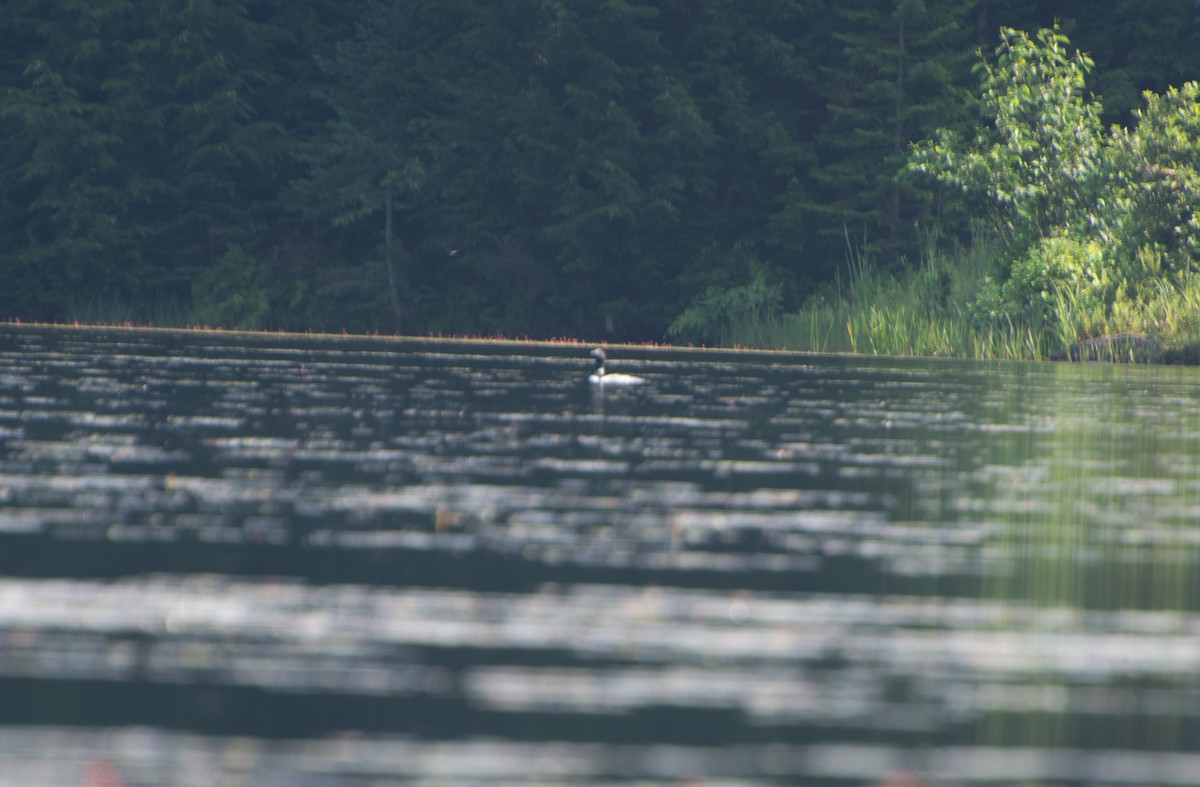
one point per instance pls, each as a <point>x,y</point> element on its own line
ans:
<point>587,168</point>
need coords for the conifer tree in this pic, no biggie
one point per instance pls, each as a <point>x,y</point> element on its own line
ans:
<point>898,73</point>
<point>635,137</point>
<point>221,146</point>
<point>367,162</point>
<point>752,68</point>
<point>1137,46</point>
<point>142,144</point>
<point>72,199</point>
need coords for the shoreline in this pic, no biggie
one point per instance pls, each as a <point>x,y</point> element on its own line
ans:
<point>1131,349</point>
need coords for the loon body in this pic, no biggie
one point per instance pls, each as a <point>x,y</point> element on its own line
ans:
<point>600,377</point>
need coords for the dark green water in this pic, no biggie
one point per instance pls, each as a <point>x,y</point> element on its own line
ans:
<point>265,560</point>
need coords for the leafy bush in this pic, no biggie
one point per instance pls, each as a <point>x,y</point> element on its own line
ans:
<point>1153,196</point>
<point>1035,162</point>
<point>1059,261</point>
<point>232,293</point>
<point>1082,214</point>
<point>720,312</point>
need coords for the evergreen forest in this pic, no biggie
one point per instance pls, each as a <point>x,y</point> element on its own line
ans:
<point>711,171</point>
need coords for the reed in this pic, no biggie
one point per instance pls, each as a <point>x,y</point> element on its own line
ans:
<point>919,311</point>
<point>931,309</point>
<point>112,309</point>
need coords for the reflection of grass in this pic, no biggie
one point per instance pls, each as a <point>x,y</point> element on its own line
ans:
<point>1105,553</point>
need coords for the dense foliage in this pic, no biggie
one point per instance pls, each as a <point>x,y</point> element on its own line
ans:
<point>1101,217</point>
<point>570,167</point>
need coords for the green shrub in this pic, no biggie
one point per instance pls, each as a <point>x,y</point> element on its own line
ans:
<point>719,312</point>
<point>1034,163</point>
<point>1089,221</point>
<point>233,293</point>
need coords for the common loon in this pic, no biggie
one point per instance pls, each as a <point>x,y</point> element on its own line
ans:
<point>599,377</point>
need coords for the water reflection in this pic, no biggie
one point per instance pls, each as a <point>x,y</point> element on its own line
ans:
<point>300,560</point>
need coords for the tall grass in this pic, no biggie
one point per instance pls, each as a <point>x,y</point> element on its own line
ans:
<point>930,309</point>
<point>112,309</point>
<point>922,310</point>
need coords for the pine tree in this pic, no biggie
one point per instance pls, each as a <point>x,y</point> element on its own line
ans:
<point>540,156</point>
<point>220,147</point>
<point>72,199</point>
<point>389,159</point>
<point>1137,46</point>
<point>143,141</point>
<point>899,72</point>
<point>633,140</point>
<point>752,67</point>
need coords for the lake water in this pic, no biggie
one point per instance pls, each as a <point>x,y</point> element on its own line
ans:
<point>286,560</point>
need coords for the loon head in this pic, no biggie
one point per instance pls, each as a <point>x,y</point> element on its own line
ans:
<point>600,358</point>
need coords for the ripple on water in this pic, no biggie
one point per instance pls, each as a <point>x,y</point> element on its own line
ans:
<point>742,571</point>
